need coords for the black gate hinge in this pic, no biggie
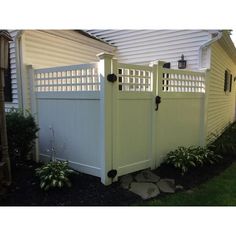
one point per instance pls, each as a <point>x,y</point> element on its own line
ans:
<point>112,78</point>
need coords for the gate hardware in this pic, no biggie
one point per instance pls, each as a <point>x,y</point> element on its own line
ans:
<point>112,173</point>
<point>158,101</point>
<point>111,78</point>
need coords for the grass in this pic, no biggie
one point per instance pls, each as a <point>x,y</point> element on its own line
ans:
<point>219,191</point>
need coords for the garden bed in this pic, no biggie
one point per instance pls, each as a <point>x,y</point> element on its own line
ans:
<point>87,190</point>
<point>194,176</point>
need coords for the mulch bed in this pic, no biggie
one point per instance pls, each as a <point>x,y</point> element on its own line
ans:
<point>195,176</point>
<point>87,190</point>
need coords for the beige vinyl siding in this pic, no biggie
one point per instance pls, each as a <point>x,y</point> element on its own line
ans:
<point>144,46</point>
<point>59,48</point>
<point>221,105</point>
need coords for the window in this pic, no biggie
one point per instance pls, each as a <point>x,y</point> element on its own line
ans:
<point>7,83</point>
<point>228,81</point>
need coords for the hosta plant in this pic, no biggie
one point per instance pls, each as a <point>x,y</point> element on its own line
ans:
<point>54,174</point>
<point>184,158</point>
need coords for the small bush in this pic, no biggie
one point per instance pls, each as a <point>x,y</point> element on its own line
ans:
<point>21,132</point>
<point>186,158</point>
<point>54,175</point>
<point>225,144</point>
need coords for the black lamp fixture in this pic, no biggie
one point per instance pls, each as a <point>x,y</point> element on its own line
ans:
<point>182,63</point>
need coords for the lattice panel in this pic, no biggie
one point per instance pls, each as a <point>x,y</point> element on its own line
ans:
<point>183,82</point>
<point>64,79</point>
<point>137,80</point>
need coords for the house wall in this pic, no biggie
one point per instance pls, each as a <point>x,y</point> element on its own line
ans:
<point>145,46</point>
<point>59,48</point>
<point>48,48</point>
<point>221,105</point>
<point>13,66</point>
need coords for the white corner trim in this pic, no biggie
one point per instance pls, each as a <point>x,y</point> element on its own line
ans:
<point>206,44</point>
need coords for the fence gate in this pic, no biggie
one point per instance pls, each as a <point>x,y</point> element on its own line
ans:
<point>133,108</point>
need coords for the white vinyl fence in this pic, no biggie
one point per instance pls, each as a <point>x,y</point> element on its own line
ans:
<point>109,129</point>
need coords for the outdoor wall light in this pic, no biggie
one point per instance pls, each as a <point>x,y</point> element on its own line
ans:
<point>182,63</point>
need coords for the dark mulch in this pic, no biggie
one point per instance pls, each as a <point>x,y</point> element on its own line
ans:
<point>87,190</point>
<point>195,176</point>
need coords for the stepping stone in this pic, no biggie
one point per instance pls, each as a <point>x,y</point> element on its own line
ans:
<point>126,181</point>
<point>147,176</point>
<point>144,190</point>
<point>179,187</point>
<point>166,185</point>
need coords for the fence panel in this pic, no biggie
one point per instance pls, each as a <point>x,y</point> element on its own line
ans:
<point>180,116</point>
<point>68,108</point>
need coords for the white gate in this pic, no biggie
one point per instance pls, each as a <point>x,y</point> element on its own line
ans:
<point>132,114</point>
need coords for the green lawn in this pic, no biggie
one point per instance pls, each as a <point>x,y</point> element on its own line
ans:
<point>219,191</point>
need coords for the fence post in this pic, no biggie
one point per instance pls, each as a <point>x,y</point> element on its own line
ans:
<point>158,121</point>
<point>33,107</point>
<point>154,92</point>
<point>105,68</point>
<point>115,112</point>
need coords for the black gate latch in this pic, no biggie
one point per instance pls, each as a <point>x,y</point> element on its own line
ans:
<point>158,101</point>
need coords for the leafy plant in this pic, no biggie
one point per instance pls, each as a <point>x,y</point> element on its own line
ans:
<point>225,144</point>
<point>184,158</point>
<point>54,174</point>
<point>21,133</point>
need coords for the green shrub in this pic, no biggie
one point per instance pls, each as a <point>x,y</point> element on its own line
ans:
<point>186,158</point>
<point>225,144</point>
<point>21,132</point>
<point>54,175</point>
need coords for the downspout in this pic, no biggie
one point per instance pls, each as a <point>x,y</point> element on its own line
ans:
<point>18,68</point>
<point>206,44</point>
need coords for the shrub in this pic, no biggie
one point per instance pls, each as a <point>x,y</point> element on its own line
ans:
<point>186,158</point>
<point>225,144</point>
<point>54,175</point>
<point>21,131</point>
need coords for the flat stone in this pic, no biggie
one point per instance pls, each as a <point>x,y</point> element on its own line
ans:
<point>147,176</point>
<point>126,181</point>
<point>166,185</point>
<point>144,190</point>
<point>179,187</point>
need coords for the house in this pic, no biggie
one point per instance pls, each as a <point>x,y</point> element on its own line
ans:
<point>113,127</point>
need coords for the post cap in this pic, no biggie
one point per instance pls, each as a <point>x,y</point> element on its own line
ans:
<point>104,55</point>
